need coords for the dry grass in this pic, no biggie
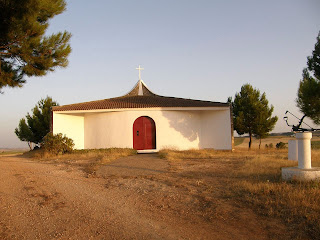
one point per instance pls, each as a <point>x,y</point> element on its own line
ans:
<point>256,182</point>
<point>191,154</point>
<point>89,160</point>
<point>11,152</point>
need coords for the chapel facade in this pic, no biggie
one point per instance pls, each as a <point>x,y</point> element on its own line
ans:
<point>146,121</point>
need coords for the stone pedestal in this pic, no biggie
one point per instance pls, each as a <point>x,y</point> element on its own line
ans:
<point>297,174</point>
<point>304,171</point>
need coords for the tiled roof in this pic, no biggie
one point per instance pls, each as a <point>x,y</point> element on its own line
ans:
<point>138,102</point>
<point>139,97</point>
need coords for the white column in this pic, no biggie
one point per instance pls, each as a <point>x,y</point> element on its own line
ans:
<point>293,150</point>
<point>304,149</point>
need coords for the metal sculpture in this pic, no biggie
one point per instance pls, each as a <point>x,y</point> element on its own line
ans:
<point>298,128</point>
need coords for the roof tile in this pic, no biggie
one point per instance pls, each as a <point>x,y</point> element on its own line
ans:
<point>138,102</point>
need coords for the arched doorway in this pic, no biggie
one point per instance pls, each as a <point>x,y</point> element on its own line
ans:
<point>144,133</point>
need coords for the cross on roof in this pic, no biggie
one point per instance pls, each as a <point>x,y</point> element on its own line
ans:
<point>139,68</point>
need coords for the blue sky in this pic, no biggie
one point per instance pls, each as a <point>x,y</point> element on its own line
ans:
<point>202,49</point>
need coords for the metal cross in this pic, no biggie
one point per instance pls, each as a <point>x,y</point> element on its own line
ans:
<point>139,68</point>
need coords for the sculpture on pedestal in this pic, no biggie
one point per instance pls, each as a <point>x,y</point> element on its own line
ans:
<point>304,171</point>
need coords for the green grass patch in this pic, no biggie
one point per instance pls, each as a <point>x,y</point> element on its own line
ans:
<point>238,141</point>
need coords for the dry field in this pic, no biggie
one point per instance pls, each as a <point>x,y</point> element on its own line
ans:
<point>244,142</point>
<point>254,181</point>
<point>194,194</point>
<point>7,152</point>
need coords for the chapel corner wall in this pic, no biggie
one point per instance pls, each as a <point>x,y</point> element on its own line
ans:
<point>70,125</point>
<point>216,130</point>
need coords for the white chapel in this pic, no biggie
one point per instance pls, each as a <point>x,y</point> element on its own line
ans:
<point>146,121</point>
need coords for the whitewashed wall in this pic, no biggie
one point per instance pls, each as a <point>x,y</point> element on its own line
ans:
<point>174,129</point>
<point>70,125</point>
<point>216,130</point>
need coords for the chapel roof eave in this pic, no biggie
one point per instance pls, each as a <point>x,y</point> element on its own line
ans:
<point>142,102</point>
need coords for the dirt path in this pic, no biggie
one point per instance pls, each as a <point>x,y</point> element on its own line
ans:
<point>140,197</point>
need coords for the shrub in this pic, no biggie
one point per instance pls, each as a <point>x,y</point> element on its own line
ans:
<point>280,145</point>
<point>270,145</point>
<point>315,144</point>
<point>57,144</point>
<point>266,146</point>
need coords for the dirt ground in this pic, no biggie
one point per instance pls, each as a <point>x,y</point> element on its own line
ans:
<point>136,197</point>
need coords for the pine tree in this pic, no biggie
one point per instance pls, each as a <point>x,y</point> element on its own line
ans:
<point>24,49</point>
<point>24,133</point>
<point>251,113</point>
<point>264,122</point>
<point>38,124</point>
<point>309,89</point>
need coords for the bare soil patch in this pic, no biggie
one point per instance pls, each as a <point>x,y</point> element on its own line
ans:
<point>134,166</point>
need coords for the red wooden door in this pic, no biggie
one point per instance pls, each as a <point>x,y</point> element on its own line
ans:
<point>144,133</point>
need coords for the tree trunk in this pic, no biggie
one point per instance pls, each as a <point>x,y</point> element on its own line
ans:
<point>250,139</point>
<point>259,143</point>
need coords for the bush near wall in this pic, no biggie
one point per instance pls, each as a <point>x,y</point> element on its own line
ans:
<point>57,144</point>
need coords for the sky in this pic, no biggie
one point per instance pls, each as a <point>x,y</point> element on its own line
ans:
<point>204,49</point>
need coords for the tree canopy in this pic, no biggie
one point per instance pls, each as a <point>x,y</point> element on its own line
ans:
<point>33,128</point>
<point>25,51</point>
<point>308,99</point>
<point>251,113</point>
